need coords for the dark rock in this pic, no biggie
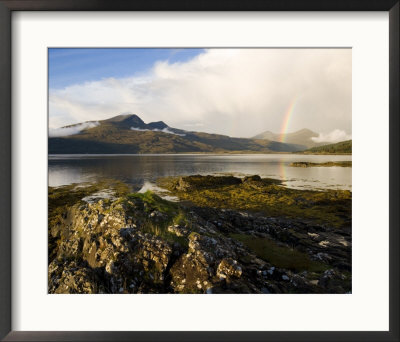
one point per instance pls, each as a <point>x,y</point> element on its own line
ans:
<point>251,178</point>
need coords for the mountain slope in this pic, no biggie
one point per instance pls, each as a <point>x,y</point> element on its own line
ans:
<point>129,134</point>
<point>301,137</point>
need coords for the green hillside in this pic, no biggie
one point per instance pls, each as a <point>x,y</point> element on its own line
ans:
<point>343,147</point>
<point>129,134</point>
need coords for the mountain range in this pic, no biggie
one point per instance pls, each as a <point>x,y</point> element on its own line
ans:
<point>128,133</point>
<point>301,137</point>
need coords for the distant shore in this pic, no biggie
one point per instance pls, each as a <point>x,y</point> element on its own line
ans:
<point>198,153</point>
<point>326,164</point>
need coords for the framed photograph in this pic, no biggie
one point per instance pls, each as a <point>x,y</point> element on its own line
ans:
<point>199,172</point>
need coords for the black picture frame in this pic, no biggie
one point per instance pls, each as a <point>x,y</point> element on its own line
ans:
<point>6,9</point>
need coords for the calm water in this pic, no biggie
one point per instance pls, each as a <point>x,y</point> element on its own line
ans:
<point>140,170</point>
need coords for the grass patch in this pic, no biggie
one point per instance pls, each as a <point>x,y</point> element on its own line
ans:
<point>155,202</point>
<point>173,214</point>
<point>280,256</point>
<point>180,218</point>
<point>160,230</point>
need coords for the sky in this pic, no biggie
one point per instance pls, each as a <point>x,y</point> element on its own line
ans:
<point>237,92</point>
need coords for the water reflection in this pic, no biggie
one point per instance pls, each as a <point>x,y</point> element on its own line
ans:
<point>138,169</point>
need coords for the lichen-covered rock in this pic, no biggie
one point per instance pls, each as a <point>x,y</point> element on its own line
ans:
<point>229,268</point>
<point>332,280</point>
<point>178,230</point>
<point>71,277</point>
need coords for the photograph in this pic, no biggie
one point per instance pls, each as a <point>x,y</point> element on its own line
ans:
<point>199,170</point>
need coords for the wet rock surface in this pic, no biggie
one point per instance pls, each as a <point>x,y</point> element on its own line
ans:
<point>139,243</point>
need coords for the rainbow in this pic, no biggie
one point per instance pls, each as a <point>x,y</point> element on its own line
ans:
<point>286,120</point>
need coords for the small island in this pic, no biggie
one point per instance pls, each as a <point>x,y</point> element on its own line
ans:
<point>326,164</point>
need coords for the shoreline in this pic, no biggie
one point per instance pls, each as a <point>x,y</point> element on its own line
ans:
<point>197,153</point>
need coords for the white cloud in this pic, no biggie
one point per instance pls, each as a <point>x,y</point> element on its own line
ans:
<point>140,129</point>
<point>194,124</point>
<point>164,130</point>
<point>238,92</point>
<point>65,131</point>
<point>332,137</point>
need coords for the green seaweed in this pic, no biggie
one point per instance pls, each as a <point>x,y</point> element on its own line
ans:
<point>267,196</point>
<point>279,255</point>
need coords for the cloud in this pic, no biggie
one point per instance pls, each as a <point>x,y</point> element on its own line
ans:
<point>140,129</point>
<point>65,131</point>
<point>237,92</point>
<point>164,130</point>
<point>194,124</point>
<point>332,137</point>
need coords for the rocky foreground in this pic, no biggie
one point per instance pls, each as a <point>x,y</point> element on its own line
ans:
<point>104,239</point>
